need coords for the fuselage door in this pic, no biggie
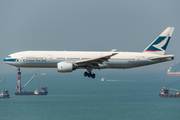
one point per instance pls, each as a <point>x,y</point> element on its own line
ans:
<point>48,58</point>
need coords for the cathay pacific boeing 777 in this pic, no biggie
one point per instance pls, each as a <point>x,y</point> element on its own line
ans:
<point>67,61</point>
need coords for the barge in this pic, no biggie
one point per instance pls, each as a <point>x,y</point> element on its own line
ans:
<point>164,93</point>
<point>36,92</point>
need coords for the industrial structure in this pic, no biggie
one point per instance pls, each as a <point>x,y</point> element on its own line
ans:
<point>36,92</point>
<point>164,93</point>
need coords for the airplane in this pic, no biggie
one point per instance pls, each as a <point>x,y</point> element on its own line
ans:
<point>68,61</point>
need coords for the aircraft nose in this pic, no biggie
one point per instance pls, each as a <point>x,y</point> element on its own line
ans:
<point>5,59</point>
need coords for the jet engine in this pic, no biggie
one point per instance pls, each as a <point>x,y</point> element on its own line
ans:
<point>65,67</point>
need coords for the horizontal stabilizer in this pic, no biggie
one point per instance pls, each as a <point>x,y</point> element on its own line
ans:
<point>163,57</point>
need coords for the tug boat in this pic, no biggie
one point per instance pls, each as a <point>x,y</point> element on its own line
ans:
<point>4,94</point>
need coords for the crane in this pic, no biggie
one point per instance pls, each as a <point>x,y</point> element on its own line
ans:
<point>30,79</point>
<point>173,89</point>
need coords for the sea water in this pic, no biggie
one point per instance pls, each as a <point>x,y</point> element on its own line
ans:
<point>75,97</point>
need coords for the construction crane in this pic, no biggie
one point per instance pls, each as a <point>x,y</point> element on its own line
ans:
<point>30,79</point>
<point>165,90</point>
<point>173,89</point>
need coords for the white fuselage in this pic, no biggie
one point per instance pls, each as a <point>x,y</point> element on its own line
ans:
<point>50,59</point>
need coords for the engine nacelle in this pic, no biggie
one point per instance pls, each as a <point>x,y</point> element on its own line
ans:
<point>65,67</point>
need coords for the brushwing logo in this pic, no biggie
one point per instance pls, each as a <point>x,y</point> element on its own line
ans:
<point>161,44</point>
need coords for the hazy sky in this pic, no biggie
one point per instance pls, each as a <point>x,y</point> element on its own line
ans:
<point>89,25</point>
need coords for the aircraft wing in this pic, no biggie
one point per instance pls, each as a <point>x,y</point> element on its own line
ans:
<point>163,57</point>
<point>94,61</point>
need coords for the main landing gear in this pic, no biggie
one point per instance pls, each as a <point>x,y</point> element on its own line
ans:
<point>89,74</point>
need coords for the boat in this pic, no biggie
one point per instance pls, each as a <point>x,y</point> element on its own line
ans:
<point>4,94</point>
<point>36,92</point>
<point>174,70</point>
<point>164,93</point>
<point>103,79</point>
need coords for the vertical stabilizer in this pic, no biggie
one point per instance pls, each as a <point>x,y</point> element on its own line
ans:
<point>159,45</point>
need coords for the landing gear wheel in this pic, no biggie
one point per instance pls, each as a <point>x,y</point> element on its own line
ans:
<point>85,74</point>
<point>18,68</point>
<point>89,74</point>
<point>93,75</point>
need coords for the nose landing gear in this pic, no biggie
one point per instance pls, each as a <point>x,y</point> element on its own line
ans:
<point>18,68</point>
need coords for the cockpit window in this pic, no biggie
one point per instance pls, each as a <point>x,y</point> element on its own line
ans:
<point>8,57</point>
